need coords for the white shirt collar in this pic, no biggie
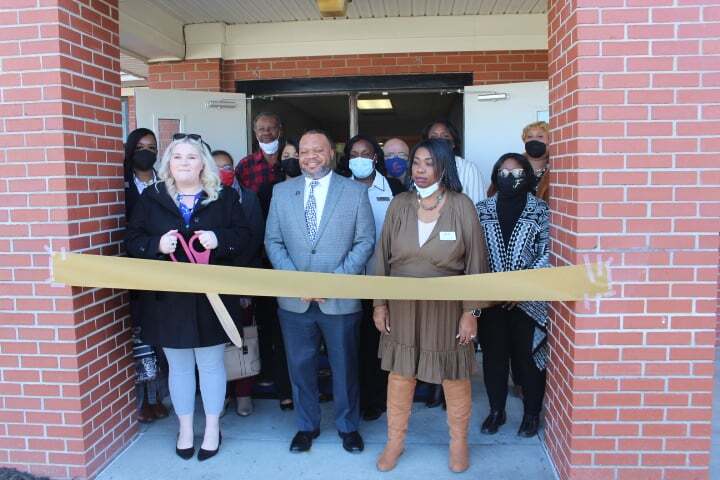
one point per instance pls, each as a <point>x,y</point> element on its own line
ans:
<point>141,185</point>
<point>323,181</point>
<point>379,182</point>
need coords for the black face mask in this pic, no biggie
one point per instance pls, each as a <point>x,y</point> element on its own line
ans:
<point>143,160</point>
<point>290,166</point>
<point>535,148</point>
<point>511,187</point>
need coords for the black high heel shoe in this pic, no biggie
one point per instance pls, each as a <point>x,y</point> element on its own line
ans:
<point>184,453</point>
<point>205,454</point>
<point>287,406</point>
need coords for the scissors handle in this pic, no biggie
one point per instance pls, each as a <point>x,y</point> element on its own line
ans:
<point>193,255</point>
<point>200,257</point>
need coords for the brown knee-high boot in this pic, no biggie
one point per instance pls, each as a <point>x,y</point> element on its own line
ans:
<point>400,394</point>
<point>458,395</point>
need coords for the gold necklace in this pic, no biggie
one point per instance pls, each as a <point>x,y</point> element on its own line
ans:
<point>437,202</point>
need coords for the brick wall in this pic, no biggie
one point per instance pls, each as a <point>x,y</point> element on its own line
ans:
<point>486,67</point>
<point>201,75</point>
<point>132,113</point>
<point>66,382</point>
<point>634,94</point>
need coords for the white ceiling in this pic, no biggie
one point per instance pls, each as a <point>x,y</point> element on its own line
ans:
<point>133,65</point>
<point>271,11</point>
<point>154,29</point>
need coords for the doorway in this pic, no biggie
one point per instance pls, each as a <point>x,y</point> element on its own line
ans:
<point>381,115</point>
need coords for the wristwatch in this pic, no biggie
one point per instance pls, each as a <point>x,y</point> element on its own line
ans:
<point>476,313</point>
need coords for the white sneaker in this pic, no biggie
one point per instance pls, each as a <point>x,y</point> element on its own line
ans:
<point>244,406</point>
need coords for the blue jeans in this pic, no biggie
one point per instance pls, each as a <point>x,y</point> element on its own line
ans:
<point>211,365</point>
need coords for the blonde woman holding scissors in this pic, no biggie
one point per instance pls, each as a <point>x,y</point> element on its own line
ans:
<point>188,203</point>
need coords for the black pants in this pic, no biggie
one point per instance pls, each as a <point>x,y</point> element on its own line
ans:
<point>373,380</point>
<point>506,335</point>
<point>272,349</point>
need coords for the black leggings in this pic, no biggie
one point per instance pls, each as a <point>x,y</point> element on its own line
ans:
<point>272,349</point>
<point>506,335</point>
<point>373,380</point>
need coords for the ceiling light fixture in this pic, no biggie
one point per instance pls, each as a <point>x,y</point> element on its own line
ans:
<point>375,104</point>
<point>333,8</point>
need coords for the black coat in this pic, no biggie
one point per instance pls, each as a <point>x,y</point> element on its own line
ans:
<point>251,256</point>
<point>132,195</point>
<point>185,320</point>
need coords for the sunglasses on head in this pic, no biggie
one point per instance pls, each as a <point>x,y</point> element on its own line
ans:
<point>515,172</point>
<point>191,136</point>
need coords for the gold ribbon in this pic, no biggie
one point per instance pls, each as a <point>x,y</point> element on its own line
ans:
<point>576,282</point>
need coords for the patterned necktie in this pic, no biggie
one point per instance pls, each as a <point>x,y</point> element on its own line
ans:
<point>311,212</point>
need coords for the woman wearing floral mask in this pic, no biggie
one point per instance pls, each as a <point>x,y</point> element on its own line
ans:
<point>430,232</point>
<point>252,257</point>
<point>516,225</point>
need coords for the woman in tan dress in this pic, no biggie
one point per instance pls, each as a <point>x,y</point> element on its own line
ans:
<point>431,232</point>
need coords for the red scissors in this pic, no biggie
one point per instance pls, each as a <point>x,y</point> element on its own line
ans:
<point>217,305</point>
<point>193,255</point>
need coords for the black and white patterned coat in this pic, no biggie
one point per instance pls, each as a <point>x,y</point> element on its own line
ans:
<point>529,247</point>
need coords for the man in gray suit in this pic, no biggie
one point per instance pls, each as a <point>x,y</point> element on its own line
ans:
<point>321,222</point>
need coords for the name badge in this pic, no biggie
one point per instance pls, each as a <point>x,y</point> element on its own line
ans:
<point>447,236</point>
<point>383,199</point>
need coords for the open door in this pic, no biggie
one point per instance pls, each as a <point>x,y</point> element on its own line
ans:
<point>495,116</point>
<point>219,118</point>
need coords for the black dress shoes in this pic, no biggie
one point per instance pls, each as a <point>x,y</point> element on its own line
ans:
<point>205,454</point>
<point>436,396</point>
<point>352,442</point>
<point>529,426</point>
<point>184,453</point>
<point>372,413</point>
<point>302,441</point>
<point>493,422</point>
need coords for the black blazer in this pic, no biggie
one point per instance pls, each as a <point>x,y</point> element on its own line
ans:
<point>184,320</point>
<point>131,197</point>
<point>252,255</point>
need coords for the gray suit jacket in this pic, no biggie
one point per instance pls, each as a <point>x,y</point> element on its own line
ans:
<point>344,243</point>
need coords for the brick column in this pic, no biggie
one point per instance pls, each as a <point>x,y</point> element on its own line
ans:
<point>66,378</point>
<point>635,125</point>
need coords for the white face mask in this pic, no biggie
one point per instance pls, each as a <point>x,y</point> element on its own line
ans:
<point>425,192</point>
<point>270,148</point>
<point>362,167</point>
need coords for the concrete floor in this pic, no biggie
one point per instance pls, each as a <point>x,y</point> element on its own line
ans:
<point>256,447</point>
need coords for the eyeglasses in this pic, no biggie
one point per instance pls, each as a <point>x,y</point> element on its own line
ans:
<point>191,136</point>
<point>515,172</point>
